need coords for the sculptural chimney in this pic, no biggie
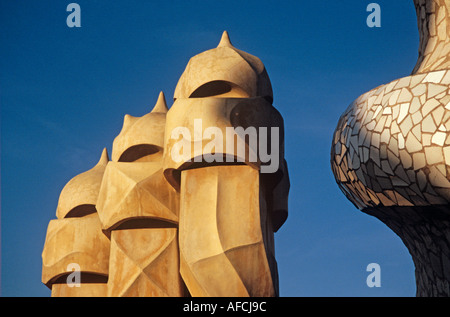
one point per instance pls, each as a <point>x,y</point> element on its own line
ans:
<point>151,222</point>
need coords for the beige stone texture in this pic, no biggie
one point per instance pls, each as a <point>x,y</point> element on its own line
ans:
<point>74,240</point>
<point>136,190</point>
<point>79,195</point>
<point>137,207</point>
<point>221,113</point>
<point>85,290</point>
<point>145,263</point>
<point>222,88</point>
<point>224,254</point>
<point>142,138</point>
<point>224,71</point>
<point>148,224</point>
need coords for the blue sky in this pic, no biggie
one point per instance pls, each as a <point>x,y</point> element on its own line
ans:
<point>64,92</point>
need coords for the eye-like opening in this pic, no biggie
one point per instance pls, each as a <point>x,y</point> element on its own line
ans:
<point>81,211</point>
<point>140,152</point>
<point>173,176</point>
<point>85,278</point>
<point>219,89</point>
<point>136,223</point>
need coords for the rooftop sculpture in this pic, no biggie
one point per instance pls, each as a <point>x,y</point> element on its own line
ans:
<point>154,222</point>
<point>391,152</point>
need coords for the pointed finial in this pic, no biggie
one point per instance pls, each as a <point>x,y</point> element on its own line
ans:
<point>161,105</point>
<point>225,40</point>
<point>104,159</point>
<point>128,121</point>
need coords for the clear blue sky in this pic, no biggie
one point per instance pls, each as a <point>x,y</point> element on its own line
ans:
<point>64,92</point>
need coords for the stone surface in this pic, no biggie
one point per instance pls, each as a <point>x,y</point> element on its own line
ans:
<point>224,71</point>
<point>79,195</point>
<point>231,250</point>
<point>85,290</point>
<point>145,262</point>
<point>75,240</point>
<point>198,115</point>
<point>136,190</point>
<point>142,138</point>
<point>150,225</point>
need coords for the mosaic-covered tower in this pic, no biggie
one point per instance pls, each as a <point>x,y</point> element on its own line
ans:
<point>391,152</point>
<point>150,222</point>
